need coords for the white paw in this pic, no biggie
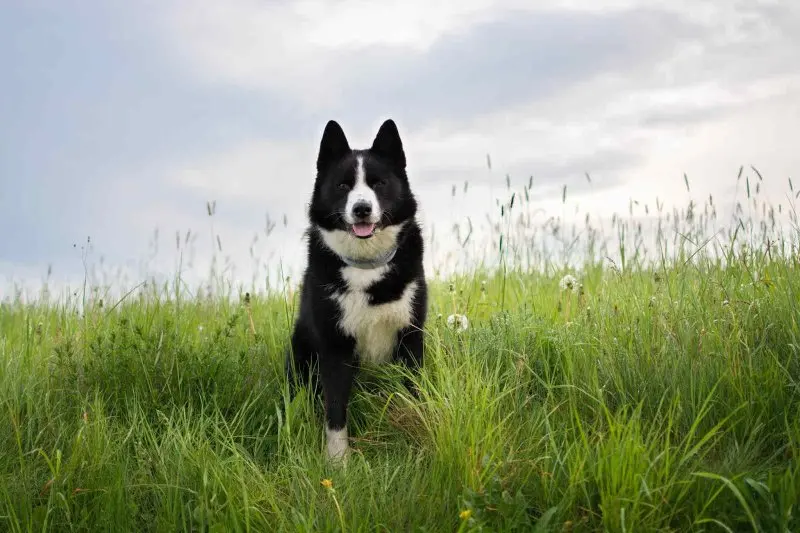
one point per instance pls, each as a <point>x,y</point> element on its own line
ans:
<point>338,447</point>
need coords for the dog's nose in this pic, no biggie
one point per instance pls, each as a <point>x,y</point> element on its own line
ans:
<point>362,209</point>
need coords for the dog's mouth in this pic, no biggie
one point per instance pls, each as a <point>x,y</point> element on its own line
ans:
<point>363,230</point>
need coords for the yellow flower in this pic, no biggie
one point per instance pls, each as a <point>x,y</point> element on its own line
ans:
<point>327,483</point>
<point>465,514</point>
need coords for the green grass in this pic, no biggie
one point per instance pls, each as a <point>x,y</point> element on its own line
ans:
<point>658,397</point>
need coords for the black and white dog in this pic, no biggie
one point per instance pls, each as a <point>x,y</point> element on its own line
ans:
<point>364,297</point>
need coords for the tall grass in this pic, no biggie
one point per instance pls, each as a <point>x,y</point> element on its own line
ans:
<point>657,391</point>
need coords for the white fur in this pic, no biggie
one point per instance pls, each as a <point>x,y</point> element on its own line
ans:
<point>346,244</point>
<point>374,327</point>
<point>362,192</point>
<point>338,445</point>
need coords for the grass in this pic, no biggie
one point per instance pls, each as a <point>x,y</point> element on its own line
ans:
<point>648,396</point>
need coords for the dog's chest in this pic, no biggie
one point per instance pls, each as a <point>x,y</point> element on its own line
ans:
<point>374,327</point>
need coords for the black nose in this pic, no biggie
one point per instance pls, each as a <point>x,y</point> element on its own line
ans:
<point>362,209</point>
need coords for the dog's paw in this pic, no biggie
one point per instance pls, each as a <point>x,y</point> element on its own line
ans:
<point>338,447</point>
<point>340,461</point>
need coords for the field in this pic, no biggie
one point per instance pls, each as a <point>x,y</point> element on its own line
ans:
<point>656,390</point>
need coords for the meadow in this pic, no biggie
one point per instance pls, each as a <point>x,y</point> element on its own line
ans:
<point>632,377</point>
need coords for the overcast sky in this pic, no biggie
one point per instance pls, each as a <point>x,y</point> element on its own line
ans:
<point>120,118</point>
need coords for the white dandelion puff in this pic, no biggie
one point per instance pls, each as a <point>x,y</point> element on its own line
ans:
<point>569,283</point>
<point>458,322</point>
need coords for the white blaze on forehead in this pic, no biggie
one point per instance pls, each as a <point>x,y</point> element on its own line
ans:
<point>362,192</point>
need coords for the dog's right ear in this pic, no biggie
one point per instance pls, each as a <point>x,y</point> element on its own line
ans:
<point>332,147</point>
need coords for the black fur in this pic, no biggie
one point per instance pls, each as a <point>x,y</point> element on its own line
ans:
<point>319,346</point>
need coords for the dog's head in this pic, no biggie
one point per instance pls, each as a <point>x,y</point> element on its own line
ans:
<point>361,198</point>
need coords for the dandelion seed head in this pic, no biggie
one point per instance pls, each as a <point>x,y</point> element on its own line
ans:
<point>569,283</point>
<point>458,322</point>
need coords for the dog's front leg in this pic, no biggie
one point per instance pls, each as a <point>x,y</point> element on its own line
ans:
<point>337,372</point>
<point>410,347</point>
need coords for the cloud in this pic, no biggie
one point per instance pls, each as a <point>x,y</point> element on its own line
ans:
<point>519,58</point>
<point>288,45</point>
<point>119,121</point>
<point>92,113</point>
<point>462,61</point>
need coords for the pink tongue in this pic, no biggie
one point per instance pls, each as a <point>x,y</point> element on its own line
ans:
<point>363,230</point>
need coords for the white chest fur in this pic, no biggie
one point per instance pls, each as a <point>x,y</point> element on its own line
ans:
<point>374,327</point>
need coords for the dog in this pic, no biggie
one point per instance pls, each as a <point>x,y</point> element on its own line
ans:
<point>364,297</point>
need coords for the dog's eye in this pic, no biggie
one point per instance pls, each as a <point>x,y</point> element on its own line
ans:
<point>344,186</point>
<point>380,183</point>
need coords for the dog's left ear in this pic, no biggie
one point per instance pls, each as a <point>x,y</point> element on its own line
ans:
<point>387,145</point>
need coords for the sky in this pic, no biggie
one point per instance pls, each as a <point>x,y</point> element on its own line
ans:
<point>119,121</point>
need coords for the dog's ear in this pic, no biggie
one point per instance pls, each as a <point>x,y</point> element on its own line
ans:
<point>388,145</point>
<point>332,147</point>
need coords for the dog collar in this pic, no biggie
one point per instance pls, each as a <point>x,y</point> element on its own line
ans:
<point>367,264</point>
